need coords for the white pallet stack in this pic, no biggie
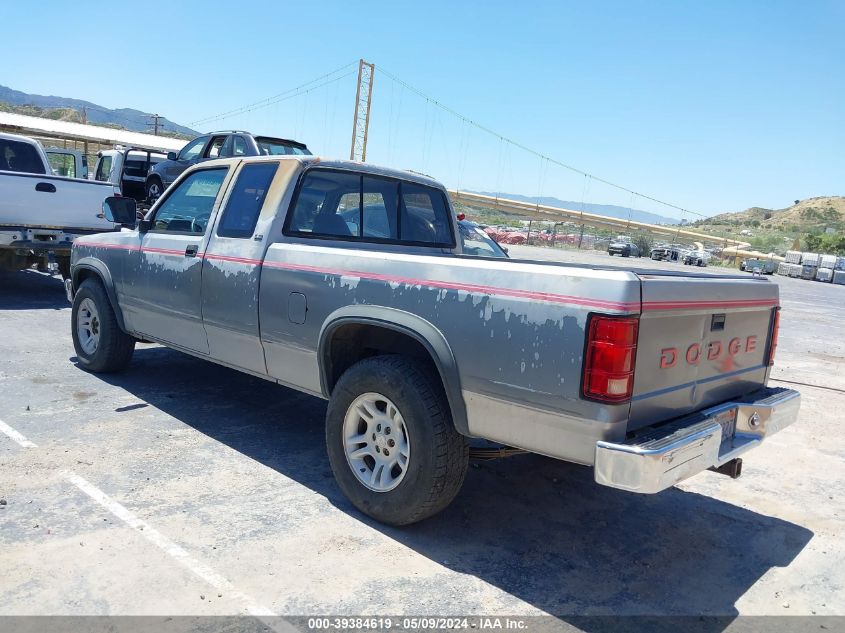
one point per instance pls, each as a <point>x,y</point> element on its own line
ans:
<point>808,271</point>
<point>793,257</point>
<point>810,259</point>
<point>828,261</point>
<point>824,274</point>
<point>783,268</point>
<point>794,270</point>
<point>839,277</point>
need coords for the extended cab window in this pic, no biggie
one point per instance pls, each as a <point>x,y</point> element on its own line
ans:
<point>425,216</point>
<point>245,201</point>
<point>325,203</point>
<point>187,208</point>
<point>369,208</point>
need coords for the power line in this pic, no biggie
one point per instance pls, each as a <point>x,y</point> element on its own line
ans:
<point>275,98</point>
<point>510,141</point>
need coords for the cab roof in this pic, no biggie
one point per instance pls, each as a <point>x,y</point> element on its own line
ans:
<point>317,161</point>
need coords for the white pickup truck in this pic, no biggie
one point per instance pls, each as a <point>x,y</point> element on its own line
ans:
<point>41,213</point>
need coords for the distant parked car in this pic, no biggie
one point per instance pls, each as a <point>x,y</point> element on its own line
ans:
<point>625,249</point>
<point>764,266</point>
<point>696,258</point>
<point>661,253</point>
<point>215,145</point>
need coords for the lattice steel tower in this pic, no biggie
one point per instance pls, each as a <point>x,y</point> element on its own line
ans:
<point>361,122</point>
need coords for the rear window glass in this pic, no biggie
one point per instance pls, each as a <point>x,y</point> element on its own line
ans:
<point>245,201</point>
<point>22,157</point>
<point>329,204</point>
<point>273,147</point>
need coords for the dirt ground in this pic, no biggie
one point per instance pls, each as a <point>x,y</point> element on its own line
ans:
<point>184,488</point>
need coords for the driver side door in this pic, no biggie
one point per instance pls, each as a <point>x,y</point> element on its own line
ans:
<point>170,266</point>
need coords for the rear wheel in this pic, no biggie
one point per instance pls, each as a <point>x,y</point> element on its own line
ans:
<point>392,446</point>
<point>101,346</point>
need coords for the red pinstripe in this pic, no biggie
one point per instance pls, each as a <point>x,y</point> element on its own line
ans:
<point>472,288</point>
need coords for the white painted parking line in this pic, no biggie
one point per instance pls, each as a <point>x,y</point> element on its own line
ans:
<point>19,438</point>
<point>199,569</point>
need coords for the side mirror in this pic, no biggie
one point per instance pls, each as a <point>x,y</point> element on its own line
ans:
<point>120,211</point>
<point>172,155</point>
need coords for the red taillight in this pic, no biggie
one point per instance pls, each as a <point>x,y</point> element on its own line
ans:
<point>462,216</point>
<point>773,344</point>
<point>609,359</point>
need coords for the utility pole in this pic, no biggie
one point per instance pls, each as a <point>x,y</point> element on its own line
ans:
<point>361,121</point>
<point>84,114</point>
<point>154,123</point>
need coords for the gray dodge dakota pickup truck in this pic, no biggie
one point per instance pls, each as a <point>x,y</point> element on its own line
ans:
<point>353,283</point>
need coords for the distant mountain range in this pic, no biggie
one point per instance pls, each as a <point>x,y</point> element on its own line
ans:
<point>614,211</point>
<point>126,118</point>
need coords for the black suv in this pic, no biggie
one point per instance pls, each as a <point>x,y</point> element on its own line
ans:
<point>215,145</point>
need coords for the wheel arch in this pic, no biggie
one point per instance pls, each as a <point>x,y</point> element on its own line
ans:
<point>367,321</point>
<point>90,267</point>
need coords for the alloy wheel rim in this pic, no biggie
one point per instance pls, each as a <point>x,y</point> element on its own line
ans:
<point>88,326</point>
<point>376,442</point>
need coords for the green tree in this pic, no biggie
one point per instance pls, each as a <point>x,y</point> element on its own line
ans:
<point>812,242</point>
<point>644,243</point>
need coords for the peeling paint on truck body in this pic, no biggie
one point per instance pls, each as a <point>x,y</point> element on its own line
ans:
<point>508,336</point>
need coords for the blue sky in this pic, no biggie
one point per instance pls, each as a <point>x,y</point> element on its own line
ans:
<point>711,106</point>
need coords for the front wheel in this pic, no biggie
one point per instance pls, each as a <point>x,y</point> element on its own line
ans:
<point>154,189</point>
<point>100,344</point>
<point>391,443</point>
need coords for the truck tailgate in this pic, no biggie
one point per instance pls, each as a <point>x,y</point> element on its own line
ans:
<point>702,340</point>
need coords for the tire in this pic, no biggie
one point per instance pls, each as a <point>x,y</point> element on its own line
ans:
<point>154,189</point>
<point>101,346</point>
<point>437,455</point>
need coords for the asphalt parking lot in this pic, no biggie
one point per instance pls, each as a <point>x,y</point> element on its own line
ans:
<point>184,488</point>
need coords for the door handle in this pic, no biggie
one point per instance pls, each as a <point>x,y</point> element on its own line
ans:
<point>46,187</point>
<point>191,250</point>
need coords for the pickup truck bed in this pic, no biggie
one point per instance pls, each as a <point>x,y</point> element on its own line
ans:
<point>575,362</point>
<point>41,213</point>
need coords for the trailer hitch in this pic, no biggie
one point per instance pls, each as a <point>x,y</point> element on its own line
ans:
<point>732,469</point>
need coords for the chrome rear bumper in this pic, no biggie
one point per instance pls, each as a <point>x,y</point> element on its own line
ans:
<point>661,457</point>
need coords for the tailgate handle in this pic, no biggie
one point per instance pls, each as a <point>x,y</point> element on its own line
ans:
<point>191,250</point>
<point>717,323</point>
<point>46,187</point>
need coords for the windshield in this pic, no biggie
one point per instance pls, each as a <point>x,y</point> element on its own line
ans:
<point>476,242</point>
